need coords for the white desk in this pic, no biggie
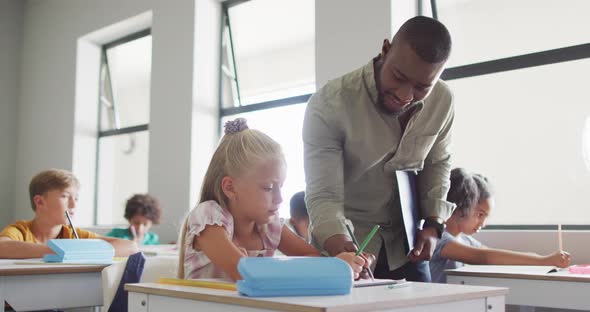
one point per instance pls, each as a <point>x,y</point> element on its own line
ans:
<point>159,250</point>
<point>529,285</point>
<point>149,297</point>
<point>49,286</point>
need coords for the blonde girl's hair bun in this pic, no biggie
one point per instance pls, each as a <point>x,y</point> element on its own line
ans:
<point>235,126</point>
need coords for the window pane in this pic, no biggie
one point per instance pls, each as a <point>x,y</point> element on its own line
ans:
<point>122,172</point>
<point>402,10</point>
<point>527,130</point>
<point>287,132</point>
<point>129,67</point>
<point>487,30</point>
<point>273,45</point>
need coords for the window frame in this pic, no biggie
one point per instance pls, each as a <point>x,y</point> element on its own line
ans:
<point>541,58</point>
<point>238,106</point>
<point>523,61</point>
<point>229,111</point>
<point>117,131</point>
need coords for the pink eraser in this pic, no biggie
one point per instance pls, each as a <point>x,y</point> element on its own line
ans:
<point>580,269</point>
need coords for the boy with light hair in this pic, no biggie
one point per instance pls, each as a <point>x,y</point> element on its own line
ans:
<point>52,193</point>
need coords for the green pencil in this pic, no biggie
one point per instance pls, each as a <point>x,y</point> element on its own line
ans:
<point>373,231</point>
<point>352,235</point>
<point>357,245</point>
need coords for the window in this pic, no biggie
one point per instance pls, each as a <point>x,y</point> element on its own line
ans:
<point>521,130</point>
<point>268,73</point>
<point>519,119</point>
<point>488,30</point>
<point>267,56</point>
<point>123,142</point>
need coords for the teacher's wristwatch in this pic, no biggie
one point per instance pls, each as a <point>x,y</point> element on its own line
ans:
<point>436,223</point>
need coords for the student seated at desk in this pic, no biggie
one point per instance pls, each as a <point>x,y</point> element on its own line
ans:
<point>299,220</point>
<point>473,196</point>
<point>141,210</point>
<point>237,212</point>
<point>52,193</point>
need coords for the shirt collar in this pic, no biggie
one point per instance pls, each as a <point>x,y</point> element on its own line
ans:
<point>368,76</point>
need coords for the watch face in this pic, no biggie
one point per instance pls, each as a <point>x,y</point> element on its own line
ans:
<point>439,227</point>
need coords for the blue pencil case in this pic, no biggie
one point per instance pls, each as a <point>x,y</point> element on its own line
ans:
<point>88,251</point>
<point>294,276</point>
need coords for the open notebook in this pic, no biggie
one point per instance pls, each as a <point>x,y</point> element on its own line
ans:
<point>159,250</point>
<point>379,282</point>
<point>510,269</point>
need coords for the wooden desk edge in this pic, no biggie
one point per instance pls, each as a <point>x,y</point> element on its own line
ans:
<point>56,269</point>
<point>543,277</point>
<point>178,292</point>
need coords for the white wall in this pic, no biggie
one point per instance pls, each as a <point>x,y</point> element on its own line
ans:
<point>349,33</point>
<point>205,112</point>
<point>183,124</point>
<point>11,29</point>
<point>50,101</point>
<point>48,89</point>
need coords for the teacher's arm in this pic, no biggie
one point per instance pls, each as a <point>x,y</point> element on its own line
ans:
<point>433,184</point>
<point>323,162</point>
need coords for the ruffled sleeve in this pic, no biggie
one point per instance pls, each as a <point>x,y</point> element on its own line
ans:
<point>196,262</point>
<point>208,213</point>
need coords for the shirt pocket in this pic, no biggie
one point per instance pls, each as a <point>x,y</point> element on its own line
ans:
<point>412,153</point>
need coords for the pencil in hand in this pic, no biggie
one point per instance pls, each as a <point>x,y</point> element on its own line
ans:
<point>351,235</point>
<point>366,241</point>
<point>72,225</point>
<point>359,249</point>
<point>559,237</point>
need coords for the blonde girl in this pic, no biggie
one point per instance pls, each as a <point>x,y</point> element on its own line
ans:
<point>237,214</point>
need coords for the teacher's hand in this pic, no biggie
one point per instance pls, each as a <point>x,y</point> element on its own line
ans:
<point>369,260</point>
<point>339,243</point>
<point>425,243</point>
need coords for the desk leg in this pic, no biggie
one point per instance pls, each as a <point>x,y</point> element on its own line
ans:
<point>2,299</point>
<point>137,302</point>
<point>495,304</point>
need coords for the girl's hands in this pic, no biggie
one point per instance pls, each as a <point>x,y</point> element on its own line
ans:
<point>243,251</point>
<point>357,263</point>
<point>559,259</point>
<point>369,260</point>
<point>137,233</point>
